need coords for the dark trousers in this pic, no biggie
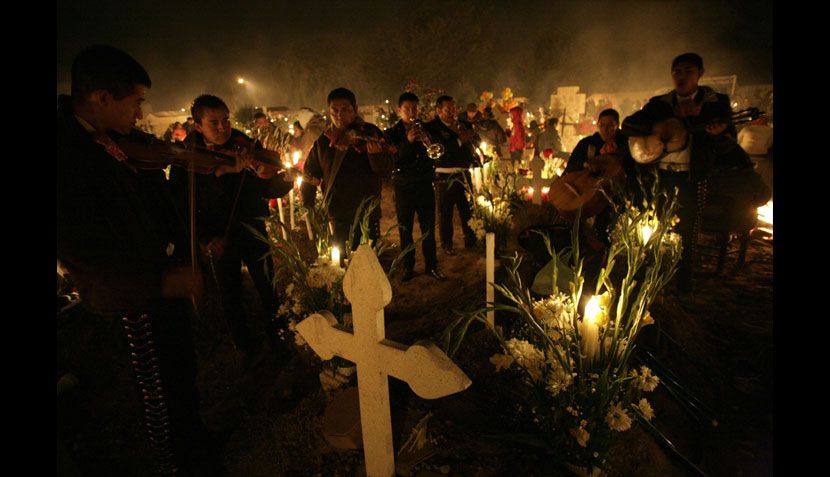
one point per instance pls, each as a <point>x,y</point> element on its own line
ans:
<point>690,197</point>
<point>243,247</point>
<point>450,193</point>
<point>171,398</point>
<point>411,199</point>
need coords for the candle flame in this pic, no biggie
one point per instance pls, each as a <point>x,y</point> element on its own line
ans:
<point>592,310</point>
<point>296,157</point>
<point>335,256</point>
<point>647,233</point>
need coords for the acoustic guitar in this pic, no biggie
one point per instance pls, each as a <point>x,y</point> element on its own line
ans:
<point>581,189</point>
<point>671,135</point>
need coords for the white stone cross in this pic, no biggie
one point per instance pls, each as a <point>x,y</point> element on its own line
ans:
<point>427,370</point>
<point>537,183</point>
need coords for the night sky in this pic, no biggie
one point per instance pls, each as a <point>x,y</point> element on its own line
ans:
<point>293,53</point>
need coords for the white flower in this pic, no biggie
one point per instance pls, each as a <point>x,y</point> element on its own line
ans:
<point>555,312</point>
<point>618,418</point>
<point>646,381</point>
<point>621,346</point>
<point>558,377</point>
<point>646,409</point>
<point>527,356</point>
<point>502,361</point>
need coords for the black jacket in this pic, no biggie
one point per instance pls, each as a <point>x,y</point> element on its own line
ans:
<point>360,175</point>
<point>115,224</point>
<point>455,154</point>
<point>589,147</point>
<point>708,152</point>
<point>215,196</point>
<point>412,165</point>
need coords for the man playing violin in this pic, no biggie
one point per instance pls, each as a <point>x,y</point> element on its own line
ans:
<point>459,141</point>
<point>120,237</point>
<point>412,179</point>
<point>347,162</point>
<point>223,206</point>
<point>694,124</point>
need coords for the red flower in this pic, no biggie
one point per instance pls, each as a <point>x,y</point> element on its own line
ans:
<point>272,203</point>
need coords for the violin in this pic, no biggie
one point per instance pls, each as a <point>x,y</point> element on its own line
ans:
<point>147,152</point>
<point>357,139</point>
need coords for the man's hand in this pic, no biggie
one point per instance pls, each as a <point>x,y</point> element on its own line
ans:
<point>243,161</point>
<point>412,135</point>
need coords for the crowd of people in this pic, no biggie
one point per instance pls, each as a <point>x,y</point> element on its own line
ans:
<point>128,241</point>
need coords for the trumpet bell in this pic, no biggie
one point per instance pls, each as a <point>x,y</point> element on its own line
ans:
<point>435,151</point>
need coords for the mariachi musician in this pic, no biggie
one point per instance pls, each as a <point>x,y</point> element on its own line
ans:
<point>347,162</point>
<point>688,134</point>
<point>224,206</point>
<point>458,140</point>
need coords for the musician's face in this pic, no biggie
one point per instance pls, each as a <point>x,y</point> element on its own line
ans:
<point>262,122</point>
<point>446,111</point>
<point>685,76</point>
<point>121,114</point>
<point>607,127</point>
<point>408,111</point>
<point>215,125</point>
<point>342,112</point>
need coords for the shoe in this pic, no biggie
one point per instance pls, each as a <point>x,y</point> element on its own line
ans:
<point>407,275</point>
<point>434,273</point>
<point>449,251</point>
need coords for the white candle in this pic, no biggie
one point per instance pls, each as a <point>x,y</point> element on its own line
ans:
<point>477,178</point>
<point>291,207</point>
<point>491,275</point>
<point>282,219</point>
<point>335,256</point>
<point>590,329</point>
<point>296,157</point>
<point>308,226</point>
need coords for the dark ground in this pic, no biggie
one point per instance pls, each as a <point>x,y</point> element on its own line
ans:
<point>270,416</point>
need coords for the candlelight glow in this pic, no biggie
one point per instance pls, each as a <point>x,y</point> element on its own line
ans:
<point>647,232</point>
<point>765,213</point>
<point>335,256</point>
<point>545,189</point>
<point>483,147</point>
<point>592,310</point>
<point>296,157</point>
<point>240,80</point>
<point>299,181</point>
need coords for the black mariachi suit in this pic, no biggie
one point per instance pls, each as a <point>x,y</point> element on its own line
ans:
<point>452,195</point>
<point>709,153</point>
<point>220,214</point>
<point>116,227</point>
<point>412,179</point>
<point>360,176</point>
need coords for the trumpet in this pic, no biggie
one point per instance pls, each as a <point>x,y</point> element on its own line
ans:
<point>434,149</point>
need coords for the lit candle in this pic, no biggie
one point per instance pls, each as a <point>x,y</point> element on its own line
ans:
<point>545,191</point>
<point>291,207</point>
<point>491,275</point>
<point>296,157</point>
<point>282,219</point>
<point>530,193</point>
<point>590,329</point>
<point>647,232</point>
<point>335,256</point>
